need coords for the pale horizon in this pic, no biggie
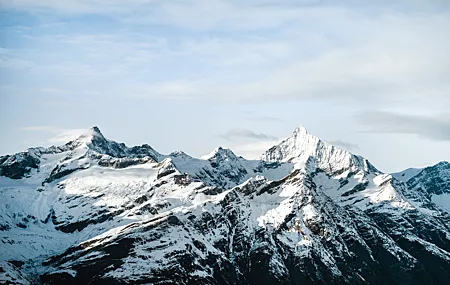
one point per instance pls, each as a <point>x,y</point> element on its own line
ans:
<point>371,78</point>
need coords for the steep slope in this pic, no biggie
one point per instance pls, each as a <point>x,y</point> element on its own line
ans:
<point>96,211</point>
<point>432,184</point>
<point>331,159</point>
<point>57,161</point>
<point>407,174</point>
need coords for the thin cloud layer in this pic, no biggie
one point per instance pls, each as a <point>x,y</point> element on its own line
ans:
<point>430,127</point>
<point>295,62</point>
<point>51,129</point>
<point>253,150</point>
<point>364,54</point>
<point>266,119</point>
<point>345,145</point>
<point>58,135</point>
<point>239,134</point>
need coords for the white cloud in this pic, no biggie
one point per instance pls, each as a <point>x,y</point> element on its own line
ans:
<point>253,150</point>
<point>227,15</point>
<point>192,14</point>
<point>50,129</point>
<point>301,50</point>
<point>345,145</point>
<point>240,133</point>
<point>268,119</point>
<point>434,127</point>
<point>383,54</point>
<point>66,135</point>
<point>11,59</point>
<point>225,52</point>
<point>392,58</point>
<point>59,135</point>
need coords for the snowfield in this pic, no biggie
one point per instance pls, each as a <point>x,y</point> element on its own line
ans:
<point>96,211</point>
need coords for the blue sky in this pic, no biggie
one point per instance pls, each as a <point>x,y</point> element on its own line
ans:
<point>192,75</point>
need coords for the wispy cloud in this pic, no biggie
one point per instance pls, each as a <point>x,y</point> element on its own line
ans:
<point>59,135</point>
<point>51,129</point>
<point>372,66</point>
<point>265,119</point>
<point>66,136</point>
<point>191,14</point>
<point>345,145</point>
<point>432,127</point>
<point>253,150</point>
<point>239,134</point>
<point>12,59</point>
<point>69,57</point>
<point>364,53</point>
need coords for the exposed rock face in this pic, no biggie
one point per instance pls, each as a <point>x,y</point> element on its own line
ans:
<point>432,180</point>
<point>19,165</point>
<point>98,212</point>
<point>227,164</point>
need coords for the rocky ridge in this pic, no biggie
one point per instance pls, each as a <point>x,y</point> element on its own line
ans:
<point>96,211</point>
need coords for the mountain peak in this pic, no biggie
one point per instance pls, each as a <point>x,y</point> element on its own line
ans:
<point>301,130</point>
<point>95,132</point>
<point>443,164</point>
<point>301,145</point>
<point>220,152</point>
<point>90,135</point>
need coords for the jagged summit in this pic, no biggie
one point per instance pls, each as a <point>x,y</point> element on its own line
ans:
<point>301,130</point>
<point>96,130</point>
<point>433,180</point>
<point>444,164</point>
<point>220,152</point>
<point>301,145</point>
<point>90,135</point>
<point>179,153</point>
<point>95,133</point>
<point>96,211</point>
<point>94,140</point>
<point>88,139</point>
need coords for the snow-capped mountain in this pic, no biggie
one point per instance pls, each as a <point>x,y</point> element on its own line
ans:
<point>94,211</point>
<point>434,183</point>
<point>301,146</point>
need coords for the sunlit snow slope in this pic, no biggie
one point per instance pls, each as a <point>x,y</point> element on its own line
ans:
<point>94,211</point>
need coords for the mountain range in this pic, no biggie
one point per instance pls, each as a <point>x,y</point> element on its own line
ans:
<point>95,211</point>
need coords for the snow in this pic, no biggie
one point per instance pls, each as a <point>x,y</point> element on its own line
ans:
<point>217,151</point>
<point>288,190</point>
<point>301,146</point>
<point>407,174</point>
<point>309,212</point>
<point>430,247</point>
<point>304,242</point>
<point>442,201</point>
<point>378,189</point>
<point>79,196</point>
<point>11,275</point>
